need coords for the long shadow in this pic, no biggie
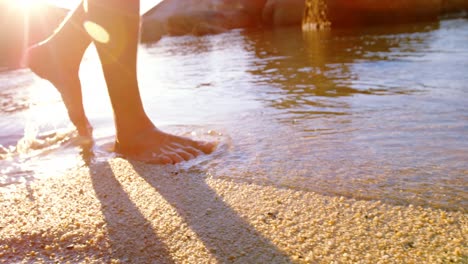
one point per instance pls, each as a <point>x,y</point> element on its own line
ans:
<point>125,223</point>
<point>228,237</point>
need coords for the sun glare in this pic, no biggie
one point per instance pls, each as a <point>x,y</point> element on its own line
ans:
<point>27,5</point>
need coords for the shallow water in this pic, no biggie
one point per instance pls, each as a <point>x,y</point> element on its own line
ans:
<point>377,113</point>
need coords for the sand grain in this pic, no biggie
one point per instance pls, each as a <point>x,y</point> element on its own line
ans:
<point>119,212</point>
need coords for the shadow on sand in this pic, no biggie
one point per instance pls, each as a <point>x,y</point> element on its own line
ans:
<point>132,237</point>
<point>228,237</point>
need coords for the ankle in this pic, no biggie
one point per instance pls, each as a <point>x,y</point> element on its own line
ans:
<point>50,56</point>
<point>126,132</point>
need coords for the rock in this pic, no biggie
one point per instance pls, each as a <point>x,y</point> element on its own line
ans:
<point>451,6</point>
<point>197,23</point>
<point>345,13</point>
<point>283,12</point>
<point>199,17</point>
<point>315,15</point>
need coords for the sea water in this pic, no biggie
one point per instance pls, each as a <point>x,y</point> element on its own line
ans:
<point>375,113</point>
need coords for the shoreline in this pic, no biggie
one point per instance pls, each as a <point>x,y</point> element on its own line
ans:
<point>124,212</point>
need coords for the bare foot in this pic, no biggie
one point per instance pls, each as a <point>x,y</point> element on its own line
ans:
<point>157,147</point>
<point>61,70</point>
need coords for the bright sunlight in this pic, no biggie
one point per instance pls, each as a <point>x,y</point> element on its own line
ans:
<point>34,5</point>
<point>26,5</point>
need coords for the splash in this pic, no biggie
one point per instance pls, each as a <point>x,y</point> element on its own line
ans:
<point>33,144</point>
<point>38,156</point>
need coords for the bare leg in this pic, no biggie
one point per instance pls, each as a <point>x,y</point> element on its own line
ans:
<point>114,25</point>
<point>58,59</point>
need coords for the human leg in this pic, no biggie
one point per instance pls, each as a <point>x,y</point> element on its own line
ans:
<point>114,26</point>
<point>57,59</point>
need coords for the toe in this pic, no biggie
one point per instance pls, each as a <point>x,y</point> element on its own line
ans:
<point>175,158</point>
<point>162,159</point>
<point>180,151</point>
<point>185,155</point>
<point>189,149</point>
<point>155,158</point>
<point>206,147</point>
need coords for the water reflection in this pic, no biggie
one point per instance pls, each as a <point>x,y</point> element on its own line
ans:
<point>373,114</point>
<point>310,65</point>
<point>361,113</point>
<point>13,97</point>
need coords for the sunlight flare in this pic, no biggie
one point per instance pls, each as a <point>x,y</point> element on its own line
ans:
<point>97,32</point>
<point>27,5</point>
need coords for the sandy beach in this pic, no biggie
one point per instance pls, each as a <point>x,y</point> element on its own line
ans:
<point>375,113</point>
<point>123,212</point>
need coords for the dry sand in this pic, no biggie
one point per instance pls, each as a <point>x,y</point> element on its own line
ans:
<point>123,212</point>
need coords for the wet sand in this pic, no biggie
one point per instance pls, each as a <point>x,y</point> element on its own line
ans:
<point>125,212</point>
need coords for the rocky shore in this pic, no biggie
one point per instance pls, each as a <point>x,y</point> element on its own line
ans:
<point>20,29</point>
<point>344,13</point>
<point>182,17</point>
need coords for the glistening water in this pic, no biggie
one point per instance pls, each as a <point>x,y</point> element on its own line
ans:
<point>376,113</point>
